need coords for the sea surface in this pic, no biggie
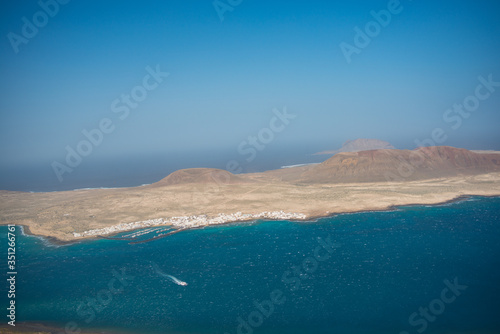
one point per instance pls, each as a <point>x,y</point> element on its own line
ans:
<point>132,171</point>
<point>417,269</point>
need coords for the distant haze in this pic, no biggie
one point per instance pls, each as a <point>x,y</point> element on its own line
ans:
<point>163,81</point>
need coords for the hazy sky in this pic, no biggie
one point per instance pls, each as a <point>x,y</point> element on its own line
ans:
<point>226,77</point>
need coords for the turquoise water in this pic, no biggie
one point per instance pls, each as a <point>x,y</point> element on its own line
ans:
<point>376,270</point>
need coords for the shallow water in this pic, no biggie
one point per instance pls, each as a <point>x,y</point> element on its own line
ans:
<point>379,269</point>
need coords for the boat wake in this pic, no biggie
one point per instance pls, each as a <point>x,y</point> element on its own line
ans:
<point>170,277</point>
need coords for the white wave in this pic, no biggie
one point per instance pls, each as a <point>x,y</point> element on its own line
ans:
<point>44,240</point>
<point>77,189</point>
<point>170,277</point>
<point>300,165</point>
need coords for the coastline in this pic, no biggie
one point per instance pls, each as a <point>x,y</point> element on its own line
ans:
<point>48,328</point>
<point>68,216</point>
<point>51,240</point>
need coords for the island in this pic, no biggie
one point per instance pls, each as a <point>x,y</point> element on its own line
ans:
<point>193,198</point>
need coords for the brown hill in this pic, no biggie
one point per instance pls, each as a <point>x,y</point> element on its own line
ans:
<point>400,165</point>
<point>199,176</point>
<point>351,167</point>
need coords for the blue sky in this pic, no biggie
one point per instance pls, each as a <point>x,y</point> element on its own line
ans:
<point>227,76</point>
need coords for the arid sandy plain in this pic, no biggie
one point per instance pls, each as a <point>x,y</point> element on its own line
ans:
<point>60,214</point>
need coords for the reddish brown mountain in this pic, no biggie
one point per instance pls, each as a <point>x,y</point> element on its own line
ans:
<point>352,167</point>
<point>398,165</point>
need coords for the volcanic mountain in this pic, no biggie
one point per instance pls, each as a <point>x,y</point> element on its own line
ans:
<point>352,167</point>
<point>400,165</point>
<point>199,176</point>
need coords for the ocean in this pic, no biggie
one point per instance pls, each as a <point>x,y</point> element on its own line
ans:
<point>416,269</point>
<point>132,171</point>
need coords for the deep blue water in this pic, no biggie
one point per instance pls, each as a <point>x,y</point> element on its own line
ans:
<point>382,268</point>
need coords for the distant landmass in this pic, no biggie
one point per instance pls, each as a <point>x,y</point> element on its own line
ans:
<point>360,145</point>
<point>362,166</point>
<point>347,182</point>
<point>391,164</point>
